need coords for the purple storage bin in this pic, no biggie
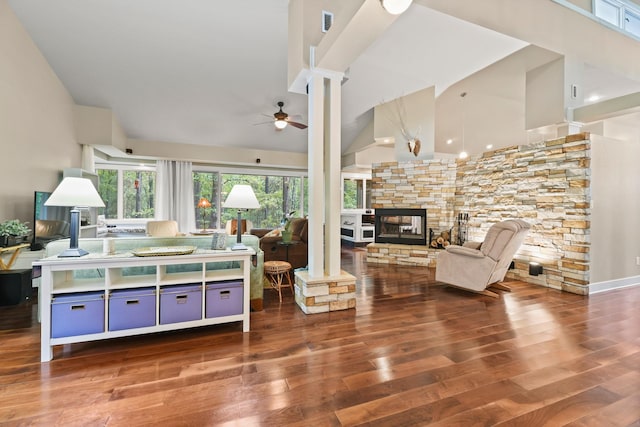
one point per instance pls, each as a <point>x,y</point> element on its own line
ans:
<point>77,314</point>
<point>224,298</point>
<point>180,303</point>
<point>132,308</point>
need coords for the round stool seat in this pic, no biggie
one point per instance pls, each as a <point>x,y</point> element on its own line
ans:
<point>275,267</point>
<point>276,271</point>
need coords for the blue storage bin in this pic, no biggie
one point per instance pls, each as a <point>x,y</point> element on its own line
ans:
<point>77,314</point>
<point>180,303</point>
<point>132,308</point>
<point>223,298</point>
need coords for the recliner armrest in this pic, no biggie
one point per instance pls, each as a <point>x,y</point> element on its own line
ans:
<point>472,245</point>
<point>463,250</point>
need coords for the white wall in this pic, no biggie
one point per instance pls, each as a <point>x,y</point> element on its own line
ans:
<point>36,121</point>
<point>417,111</point>
<point>615,228</point>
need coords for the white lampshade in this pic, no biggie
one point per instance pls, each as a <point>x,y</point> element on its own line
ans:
<point>75,192</point>
<point>281,124</point>
<point>396,7</point>
<point>241,197</point>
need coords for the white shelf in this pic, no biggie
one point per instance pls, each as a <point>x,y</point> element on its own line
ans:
<point>66,281</point>
<point>66,275</point>
<point>137,281</point>
<point>180,278</point>
<point>214,275</point>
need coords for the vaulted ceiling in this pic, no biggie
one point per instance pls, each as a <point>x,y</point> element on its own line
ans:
<point>211,73</point>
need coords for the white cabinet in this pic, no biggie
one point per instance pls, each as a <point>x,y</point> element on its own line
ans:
<point>99,275</point>
<point>357,226</point>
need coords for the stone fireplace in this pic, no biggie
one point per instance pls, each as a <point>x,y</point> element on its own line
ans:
<point>401,226</point>
<point>546,183</point>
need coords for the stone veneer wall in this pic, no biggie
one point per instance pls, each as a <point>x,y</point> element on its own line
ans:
<point>546,184</point>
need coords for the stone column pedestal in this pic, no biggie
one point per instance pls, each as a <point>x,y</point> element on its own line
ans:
<point>324,294</point>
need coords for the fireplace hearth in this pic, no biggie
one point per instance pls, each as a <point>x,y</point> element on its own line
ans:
<point>401,226</point>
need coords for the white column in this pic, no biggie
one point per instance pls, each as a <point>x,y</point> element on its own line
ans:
<point>574,127</point>
<point>333,193</point>
<point>316,168</point>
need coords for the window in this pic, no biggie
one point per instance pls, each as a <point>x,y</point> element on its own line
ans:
<point>356,192</point>
<point>278,196</point>
<point>608,11</point>
<point>108,189</point>
<point>619,13</point>
<point>632,22</point>
<point>139,193</point>
<point>127,192</point>
<point>205,184</point>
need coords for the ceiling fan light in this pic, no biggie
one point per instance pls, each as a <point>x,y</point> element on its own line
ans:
<point>281,124</point>
<point>395,7</point>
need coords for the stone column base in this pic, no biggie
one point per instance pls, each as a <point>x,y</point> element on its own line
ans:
<point>326,293</point>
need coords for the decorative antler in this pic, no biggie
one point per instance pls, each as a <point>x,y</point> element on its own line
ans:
<point>413,143</point>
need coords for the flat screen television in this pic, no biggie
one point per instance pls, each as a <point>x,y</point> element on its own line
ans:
<point>49,222</point>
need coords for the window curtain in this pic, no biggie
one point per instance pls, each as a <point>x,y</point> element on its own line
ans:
<point>174,194</point>
<point>88,158</point>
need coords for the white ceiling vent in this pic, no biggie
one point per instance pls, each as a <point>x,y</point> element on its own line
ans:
<point>327,20</point>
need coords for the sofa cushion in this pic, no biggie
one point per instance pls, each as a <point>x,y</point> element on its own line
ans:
<point>276,232</point>
<point>297,224</point>
<point>304,234</point>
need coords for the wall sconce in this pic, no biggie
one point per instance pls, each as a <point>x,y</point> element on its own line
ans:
<point>535,268</point>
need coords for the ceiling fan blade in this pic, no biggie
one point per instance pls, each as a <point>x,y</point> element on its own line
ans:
<point>263,123</point>
<point>297,125</point>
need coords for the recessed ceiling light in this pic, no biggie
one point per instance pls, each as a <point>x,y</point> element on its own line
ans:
<point>489,146</point>
<point>449,141</point>
<point>593,98</point>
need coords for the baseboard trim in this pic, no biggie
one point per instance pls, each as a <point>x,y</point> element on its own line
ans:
<point>609,285</point>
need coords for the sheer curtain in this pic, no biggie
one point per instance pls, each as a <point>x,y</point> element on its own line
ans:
<point>174,193</point>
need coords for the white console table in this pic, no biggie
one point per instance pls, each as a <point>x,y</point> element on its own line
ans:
<point>65,275</point>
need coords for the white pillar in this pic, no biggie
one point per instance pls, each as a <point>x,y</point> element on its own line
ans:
<point>324,151</point>
<point>316,166</point>
<point>333,193</point>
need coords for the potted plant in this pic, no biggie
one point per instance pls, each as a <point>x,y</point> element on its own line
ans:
<point>13,231</point>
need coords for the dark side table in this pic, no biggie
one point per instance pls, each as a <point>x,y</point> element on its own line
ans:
<point>286,245</point>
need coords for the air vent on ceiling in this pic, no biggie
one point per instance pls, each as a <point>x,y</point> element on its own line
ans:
<point>327,20</point>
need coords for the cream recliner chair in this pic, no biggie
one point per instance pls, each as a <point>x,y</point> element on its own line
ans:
<point>477,266</point>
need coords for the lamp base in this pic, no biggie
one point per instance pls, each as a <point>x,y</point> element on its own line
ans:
<point>73,253</point>
<point>239,247</point>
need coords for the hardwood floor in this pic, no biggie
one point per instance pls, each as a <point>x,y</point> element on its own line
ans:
<point>414,352</point>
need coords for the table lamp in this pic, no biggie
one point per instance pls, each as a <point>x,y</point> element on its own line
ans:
<point>79,193</point>
<point>242,198</point>
<point>204,204</point>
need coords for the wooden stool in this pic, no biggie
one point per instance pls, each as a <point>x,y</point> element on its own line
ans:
<point>276,271</point>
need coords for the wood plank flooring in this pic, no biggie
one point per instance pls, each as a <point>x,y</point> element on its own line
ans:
<point>414,352</point>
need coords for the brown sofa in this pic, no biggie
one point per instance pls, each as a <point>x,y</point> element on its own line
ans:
<point>274,250</point>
